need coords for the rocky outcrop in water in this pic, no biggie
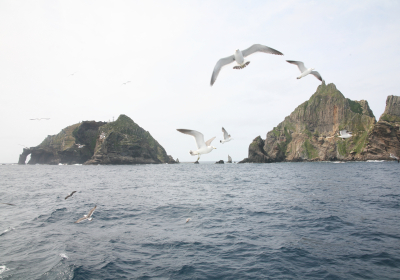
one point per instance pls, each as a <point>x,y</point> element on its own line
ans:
<point>220,162</point>
<point>310,132</point>
<point>118,142</point>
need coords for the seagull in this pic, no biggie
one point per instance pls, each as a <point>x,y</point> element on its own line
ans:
<point>39,119</point>
<point>70,194</point>
<point>7,203</point>
<point>239,56</point>
<point>396,158</point>
<point>227,137</point>
<point>88,216</point>
<point>126,83</point>
<point>188,219</point>
<point>102,135</point>
<point>304,71</point>
<point>80,146</point>
<point>344,134</point>
<point>202,147</point>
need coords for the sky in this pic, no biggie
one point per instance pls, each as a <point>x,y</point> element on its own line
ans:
<point>69,60</point>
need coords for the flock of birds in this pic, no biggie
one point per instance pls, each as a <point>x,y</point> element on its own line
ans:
<point>204,147</point>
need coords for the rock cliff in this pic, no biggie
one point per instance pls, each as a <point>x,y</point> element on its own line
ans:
<point>119,142</point>
<point>310,132</point>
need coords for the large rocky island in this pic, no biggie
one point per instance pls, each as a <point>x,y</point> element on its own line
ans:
<point>91,142</point>
<point>310,132</point>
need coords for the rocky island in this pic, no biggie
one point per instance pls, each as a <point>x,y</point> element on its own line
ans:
<point>310,132</point>
<point>91,142</point>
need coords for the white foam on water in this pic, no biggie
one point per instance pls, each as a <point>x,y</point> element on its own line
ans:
<point>374,160</point>
<point>3,268</point>
<point>7,230</point>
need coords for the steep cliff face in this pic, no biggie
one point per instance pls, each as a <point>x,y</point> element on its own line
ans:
<point>384,138</point>
<point>119,142</point>
<point>310,131</point>
<point>125,142</point>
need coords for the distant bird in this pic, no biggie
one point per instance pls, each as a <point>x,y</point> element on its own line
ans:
<point>80,146</point>
<point>39,119</point>
<point>188,219</point>
<point>304,71</point>
<point>396,158</point>
<point>239,56</point>
<point>126,83</point>
<point>345,134</point>
<point>70,194</point>
<point>229,159</point>
<point>88,216</point>
<point>202,147</point>
<point>7,203</point>
<point>227,137</point>
<point>102,135</point>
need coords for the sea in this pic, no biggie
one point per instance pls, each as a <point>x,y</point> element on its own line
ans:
<point>316,220</point>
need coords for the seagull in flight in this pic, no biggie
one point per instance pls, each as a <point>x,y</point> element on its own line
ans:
<point>239,56</point>
<point>70,194</point>
<point>345,134</point>
<point>202,147</point>
<point>39,119</point>
<point>227,137</point>
<point>88,216</point>
<point>304,71</point>
<point>396,158</point>
<point>80,146</point>
<point>188,219</point>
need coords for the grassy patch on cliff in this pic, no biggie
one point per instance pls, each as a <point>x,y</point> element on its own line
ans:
<point>390,118</point>
<point>360,141</point>
<point>342,147</point>
<point>355,106</point>
<point>310,150</point>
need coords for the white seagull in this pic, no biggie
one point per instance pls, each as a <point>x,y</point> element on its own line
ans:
<point>239,56</point>
<point>80,146</point>
<point>88,216</point>
<point>304,71</point>
<point>202,147</point>
<point>227,137</point>
<point>396,158</point>
<point>345,134</point>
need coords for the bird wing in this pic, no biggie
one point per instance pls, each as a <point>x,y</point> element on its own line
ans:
<point>91,211</point>
<point>208,143</point>
<point>81,219</point>
<point>198,136</point>
<point>317,75</point>
<point>226,136</point>
<point>260,48</point>
<point>221,63</point>
<point>342,132</point>
<point>67,196</point>
<point>299,64</point>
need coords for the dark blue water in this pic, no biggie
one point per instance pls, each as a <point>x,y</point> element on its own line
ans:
<point>248,221</point>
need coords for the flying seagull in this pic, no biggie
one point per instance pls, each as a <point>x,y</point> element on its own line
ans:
<point>304,71</point>
<point>80,146</point>
<point>39,119</point>
<point>239,56</point>
<point>202,147</point>
<point>7,203</point>
<point>396,158</point>
<point>70,194</point>
<point>227,137</point>
<point>88,216</point>
<point>345,134</point>
<point>188,219</point>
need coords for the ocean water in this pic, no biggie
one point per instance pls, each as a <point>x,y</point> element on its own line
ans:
<point>248,221</point>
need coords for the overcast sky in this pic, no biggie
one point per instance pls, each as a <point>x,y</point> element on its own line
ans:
<point>68,60</point>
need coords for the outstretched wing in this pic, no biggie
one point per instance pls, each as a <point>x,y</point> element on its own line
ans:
<point>221,63</point>
<point>317,75</point>
<point>226,136</point>
<point>208,143</point>
<point>299,64</point>
<point>80,220</point>
<point>260,48</point>
<point>198,136</point>
<point>91,211</point>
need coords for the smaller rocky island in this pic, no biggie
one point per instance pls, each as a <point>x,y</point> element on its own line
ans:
<point>91,142</point>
